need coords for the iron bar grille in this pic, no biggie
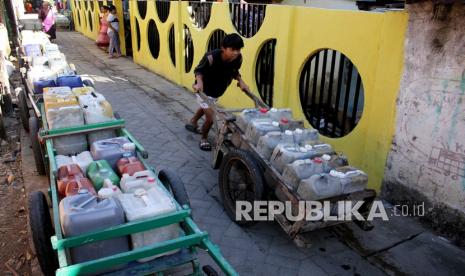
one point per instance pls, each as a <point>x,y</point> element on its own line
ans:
<point>163,10</point>
<point>200,13</point>
<point>264,71</point>
<point>153,38</point>
<point>91,5</point>
<point>188,50</point>
<point>142,8</point>
<point>137,34</point>
<point>247,18</point>
<point>89,18</point>
<point>331,93</point>
<point>215,40</point>
<point>172,42</point>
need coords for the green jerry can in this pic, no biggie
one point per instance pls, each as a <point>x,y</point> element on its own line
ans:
<point>100,170</point>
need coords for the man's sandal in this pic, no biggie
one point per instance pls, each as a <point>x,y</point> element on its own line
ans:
<point>205,145</point>
<point>193,128</point>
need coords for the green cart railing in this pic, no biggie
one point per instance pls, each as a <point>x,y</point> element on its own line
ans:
<point>49,241</point>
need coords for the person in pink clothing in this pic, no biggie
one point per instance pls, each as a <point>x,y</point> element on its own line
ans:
<point>47,18</point>
<point>103,40</point>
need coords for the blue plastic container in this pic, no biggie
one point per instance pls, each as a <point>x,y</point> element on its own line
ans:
<point>40,85</point>
<point>70,81</point>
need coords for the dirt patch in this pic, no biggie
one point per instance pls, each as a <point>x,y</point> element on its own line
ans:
<point>15,256</point>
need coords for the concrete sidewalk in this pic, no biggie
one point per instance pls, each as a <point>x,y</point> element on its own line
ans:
<point>156,111</point>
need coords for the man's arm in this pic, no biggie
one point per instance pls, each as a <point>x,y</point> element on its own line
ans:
<point>198,85</point>
<point>241,84</point>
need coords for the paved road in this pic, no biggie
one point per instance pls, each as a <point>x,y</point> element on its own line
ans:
<point>155,111</point>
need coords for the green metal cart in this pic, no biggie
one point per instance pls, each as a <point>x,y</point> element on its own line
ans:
<point>51,246</point>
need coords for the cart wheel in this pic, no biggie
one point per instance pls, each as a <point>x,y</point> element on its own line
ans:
<point>174,184</point>
<point>209,271</point>
<point>41,228</point>
<point>240,179</point>
<point>23,109</point>
<point>36,147</point>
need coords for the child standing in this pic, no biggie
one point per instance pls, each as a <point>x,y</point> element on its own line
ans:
<point>113,29</point>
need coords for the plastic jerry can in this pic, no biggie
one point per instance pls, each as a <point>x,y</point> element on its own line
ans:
<point>247,115</point>
<point>83,213</point>
<point>67,116</point>
<point>50,47</point>
<point>41,84</point>
<point>76,184</point>
<point>32,50</point>
<point>269,141</point>
<point>144,204</point>
<point>260,127</point>
<point>79,91</point>
<point>61,68</point>
<point>301,169</point>
<point>339,181</point>
<point>112,149</point>
<point>129,165</point>
<point>57,101</point>
<point>139,180</point>
<point>305,136</point>
<point>108,190</point>
<point>40,73</point>
<point>58,91</point>
<point>82,159</point>
<point>97,110</point>
<point>100,170</point>
<point>65,174</point>
<point>285,154</point>
<point>70,81</point>
<point>276,114</point>
<point>38,61</point>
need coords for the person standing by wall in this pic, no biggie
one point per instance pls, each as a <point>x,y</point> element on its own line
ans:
<point>47,18</point>
<point>113,29</point>
<point>102,39</point>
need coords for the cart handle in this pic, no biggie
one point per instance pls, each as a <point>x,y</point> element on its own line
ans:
<point>257,101</point>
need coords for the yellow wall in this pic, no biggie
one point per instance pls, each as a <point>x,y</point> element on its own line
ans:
<point>84,27</point>
<point>372,41</point>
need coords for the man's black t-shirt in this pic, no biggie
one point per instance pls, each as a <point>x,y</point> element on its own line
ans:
<point>217,74</point>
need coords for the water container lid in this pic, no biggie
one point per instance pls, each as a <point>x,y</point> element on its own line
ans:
<point>105,192</point>
<point>284,121</point>
<point>303,149</point>
<point>298,131</point>
<point>308,147</point>
<point>274,123</point>
<point>317,160</point>
<point>273,109</point>
<point>129,146</point>
<point>263,110</point>
<point>108,182</point>
<point>326,157</point>
<point>150,179</point>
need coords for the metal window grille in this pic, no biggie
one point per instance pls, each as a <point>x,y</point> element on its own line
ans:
<point>247,18</point>
<point>172,44</point>
<point>331,93</point>
<point>264,71</point>
<point>215,40</point>
<point>154,39</point>
<point>91,5</point>
<point>142,8</point>
<point>163,10</point>
<point>137,34</point>
<point>200,13</point>
<point>89,18</point>
<point>188,50</point>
